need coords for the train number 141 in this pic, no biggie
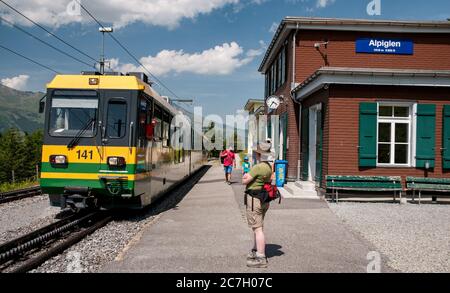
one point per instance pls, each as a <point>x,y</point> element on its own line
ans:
<point>85,155</point>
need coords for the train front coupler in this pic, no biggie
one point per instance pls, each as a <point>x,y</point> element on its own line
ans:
<point>77,198</point>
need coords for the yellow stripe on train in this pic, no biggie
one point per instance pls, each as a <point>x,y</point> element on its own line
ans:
<point>86,176</point>
<point>89,154</point>
<point>104,82</point>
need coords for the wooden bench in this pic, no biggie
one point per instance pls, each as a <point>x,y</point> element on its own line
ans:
<point>419,184</point>
<point>364,183</point>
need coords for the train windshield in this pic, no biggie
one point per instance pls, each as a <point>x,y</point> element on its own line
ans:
<point>72,116</point>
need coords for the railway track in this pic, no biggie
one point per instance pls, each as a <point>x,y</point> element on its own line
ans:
<point>32,250</point>
<point>19,194</point>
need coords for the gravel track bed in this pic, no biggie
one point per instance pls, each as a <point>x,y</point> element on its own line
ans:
<point>24,216</point>
<point>416,239</point>
<point>107,243</point>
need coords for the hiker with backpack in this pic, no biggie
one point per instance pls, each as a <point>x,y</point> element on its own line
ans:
<point>227,158</point>
<point>259,193</point>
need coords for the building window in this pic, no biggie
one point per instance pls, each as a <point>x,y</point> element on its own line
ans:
<point>276,75</point>
<point>395,135</point>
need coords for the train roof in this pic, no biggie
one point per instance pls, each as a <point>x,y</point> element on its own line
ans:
<point>108,82</point>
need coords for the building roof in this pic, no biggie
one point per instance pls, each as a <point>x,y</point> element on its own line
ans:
<point>389,26</point>
<point>370,76</point>
<point>252,102</point>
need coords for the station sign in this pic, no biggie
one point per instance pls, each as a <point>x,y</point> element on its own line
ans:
<point>385,46</point>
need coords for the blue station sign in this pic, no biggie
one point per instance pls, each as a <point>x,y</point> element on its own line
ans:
<point>385,46</point>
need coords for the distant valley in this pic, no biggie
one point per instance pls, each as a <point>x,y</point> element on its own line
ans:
<point>20,110</point>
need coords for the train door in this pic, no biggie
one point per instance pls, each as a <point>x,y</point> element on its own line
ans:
<point>158,178</point>
<point>118,128</point>
<point>143,150</point>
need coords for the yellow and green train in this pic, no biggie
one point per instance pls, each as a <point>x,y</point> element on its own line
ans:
<point>107,143</point>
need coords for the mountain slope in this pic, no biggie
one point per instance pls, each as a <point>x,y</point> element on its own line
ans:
<point>20,110</point>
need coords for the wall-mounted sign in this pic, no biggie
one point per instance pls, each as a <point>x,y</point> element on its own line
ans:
<point>385,46</point>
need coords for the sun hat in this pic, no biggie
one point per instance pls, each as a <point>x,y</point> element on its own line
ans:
<point>264,148</point>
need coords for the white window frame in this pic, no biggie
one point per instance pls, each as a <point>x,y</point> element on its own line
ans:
<point>411,132</point>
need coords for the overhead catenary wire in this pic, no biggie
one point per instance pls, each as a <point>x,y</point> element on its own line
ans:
<point>127,51</point>
<point>29,59</point>
<point>47,31</point>
<point>45,43</point>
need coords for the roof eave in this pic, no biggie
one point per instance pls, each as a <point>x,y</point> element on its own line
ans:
<point>323,78</point>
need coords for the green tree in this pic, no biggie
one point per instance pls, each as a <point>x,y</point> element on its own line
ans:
<point>19,152</point>
<point>12,155</point>
<point>33,153</point>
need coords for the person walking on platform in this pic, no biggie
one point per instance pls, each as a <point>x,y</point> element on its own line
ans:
<point>256,208</point>
<point>228,159</point>
<point>245,166</point>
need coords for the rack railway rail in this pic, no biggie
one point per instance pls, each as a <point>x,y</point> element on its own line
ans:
<point>32,250</point>
<point>19,194</point>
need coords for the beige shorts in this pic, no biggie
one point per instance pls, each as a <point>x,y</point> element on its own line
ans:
<point>255,217</point>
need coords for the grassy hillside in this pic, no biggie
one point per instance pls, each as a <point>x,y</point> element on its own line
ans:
<point>19,110</point>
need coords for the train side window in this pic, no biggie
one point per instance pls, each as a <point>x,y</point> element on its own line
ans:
<point>144,109</point>
<point>166,129</point>
<point>117,119</point>
<point>158,118</point>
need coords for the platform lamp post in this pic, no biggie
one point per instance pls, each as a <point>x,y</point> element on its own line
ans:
<point>104,30</point>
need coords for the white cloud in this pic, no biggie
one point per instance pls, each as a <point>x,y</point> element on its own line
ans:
<point>167,13</point>
<point>221,60</point>
<point>324,3</point>
<point>17,82</point>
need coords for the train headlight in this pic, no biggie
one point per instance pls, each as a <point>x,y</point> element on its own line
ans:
<point>116,161</point>
<point>58,160</point>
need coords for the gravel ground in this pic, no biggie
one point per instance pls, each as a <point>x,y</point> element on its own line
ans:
<point>102,246</point>
<point>23,216</point>
<point>109,242</point>
<point>416,239</point>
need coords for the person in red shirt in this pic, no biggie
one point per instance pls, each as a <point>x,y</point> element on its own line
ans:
<point>229,161</point>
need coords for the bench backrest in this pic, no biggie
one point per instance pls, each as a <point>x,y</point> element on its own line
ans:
<point>364,182</point>
<point>428,183</point>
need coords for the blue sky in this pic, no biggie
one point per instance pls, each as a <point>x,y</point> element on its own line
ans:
<point>206,50</point>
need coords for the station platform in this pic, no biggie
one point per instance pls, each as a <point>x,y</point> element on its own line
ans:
<point>208,232</point>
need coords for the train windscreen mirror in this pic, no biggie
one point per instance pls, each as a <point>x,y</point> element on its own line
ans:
<point>42,104</point>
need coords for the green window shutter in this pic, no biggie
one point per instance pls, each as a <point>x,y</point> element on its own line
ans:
<point>269,127</point>
<point>368,113</point>
<point>426,135</point>
<point>446,138</point>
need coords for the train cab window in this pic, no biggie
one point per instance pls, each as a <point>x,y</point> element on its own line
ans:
<point>72,115</point>
<point>158,116</point>
<point>117,119</point>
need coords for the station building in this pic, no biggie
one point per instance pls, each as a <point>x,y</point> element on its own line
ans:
<point>360,97</point>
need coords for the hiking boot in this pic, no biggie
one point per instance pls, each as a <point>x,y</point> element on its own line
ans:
<point>257,262</point>
<point>251,255</point>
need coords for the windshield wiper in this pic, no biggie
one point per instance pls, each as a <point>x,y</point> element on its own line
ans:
<point>77,137</point>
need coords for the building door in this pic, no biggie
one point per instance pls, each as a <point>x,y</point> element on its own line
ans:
<point>305,144</point>
<point>312,144</point>
<point>315,143</point>
<point>319,142</point>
